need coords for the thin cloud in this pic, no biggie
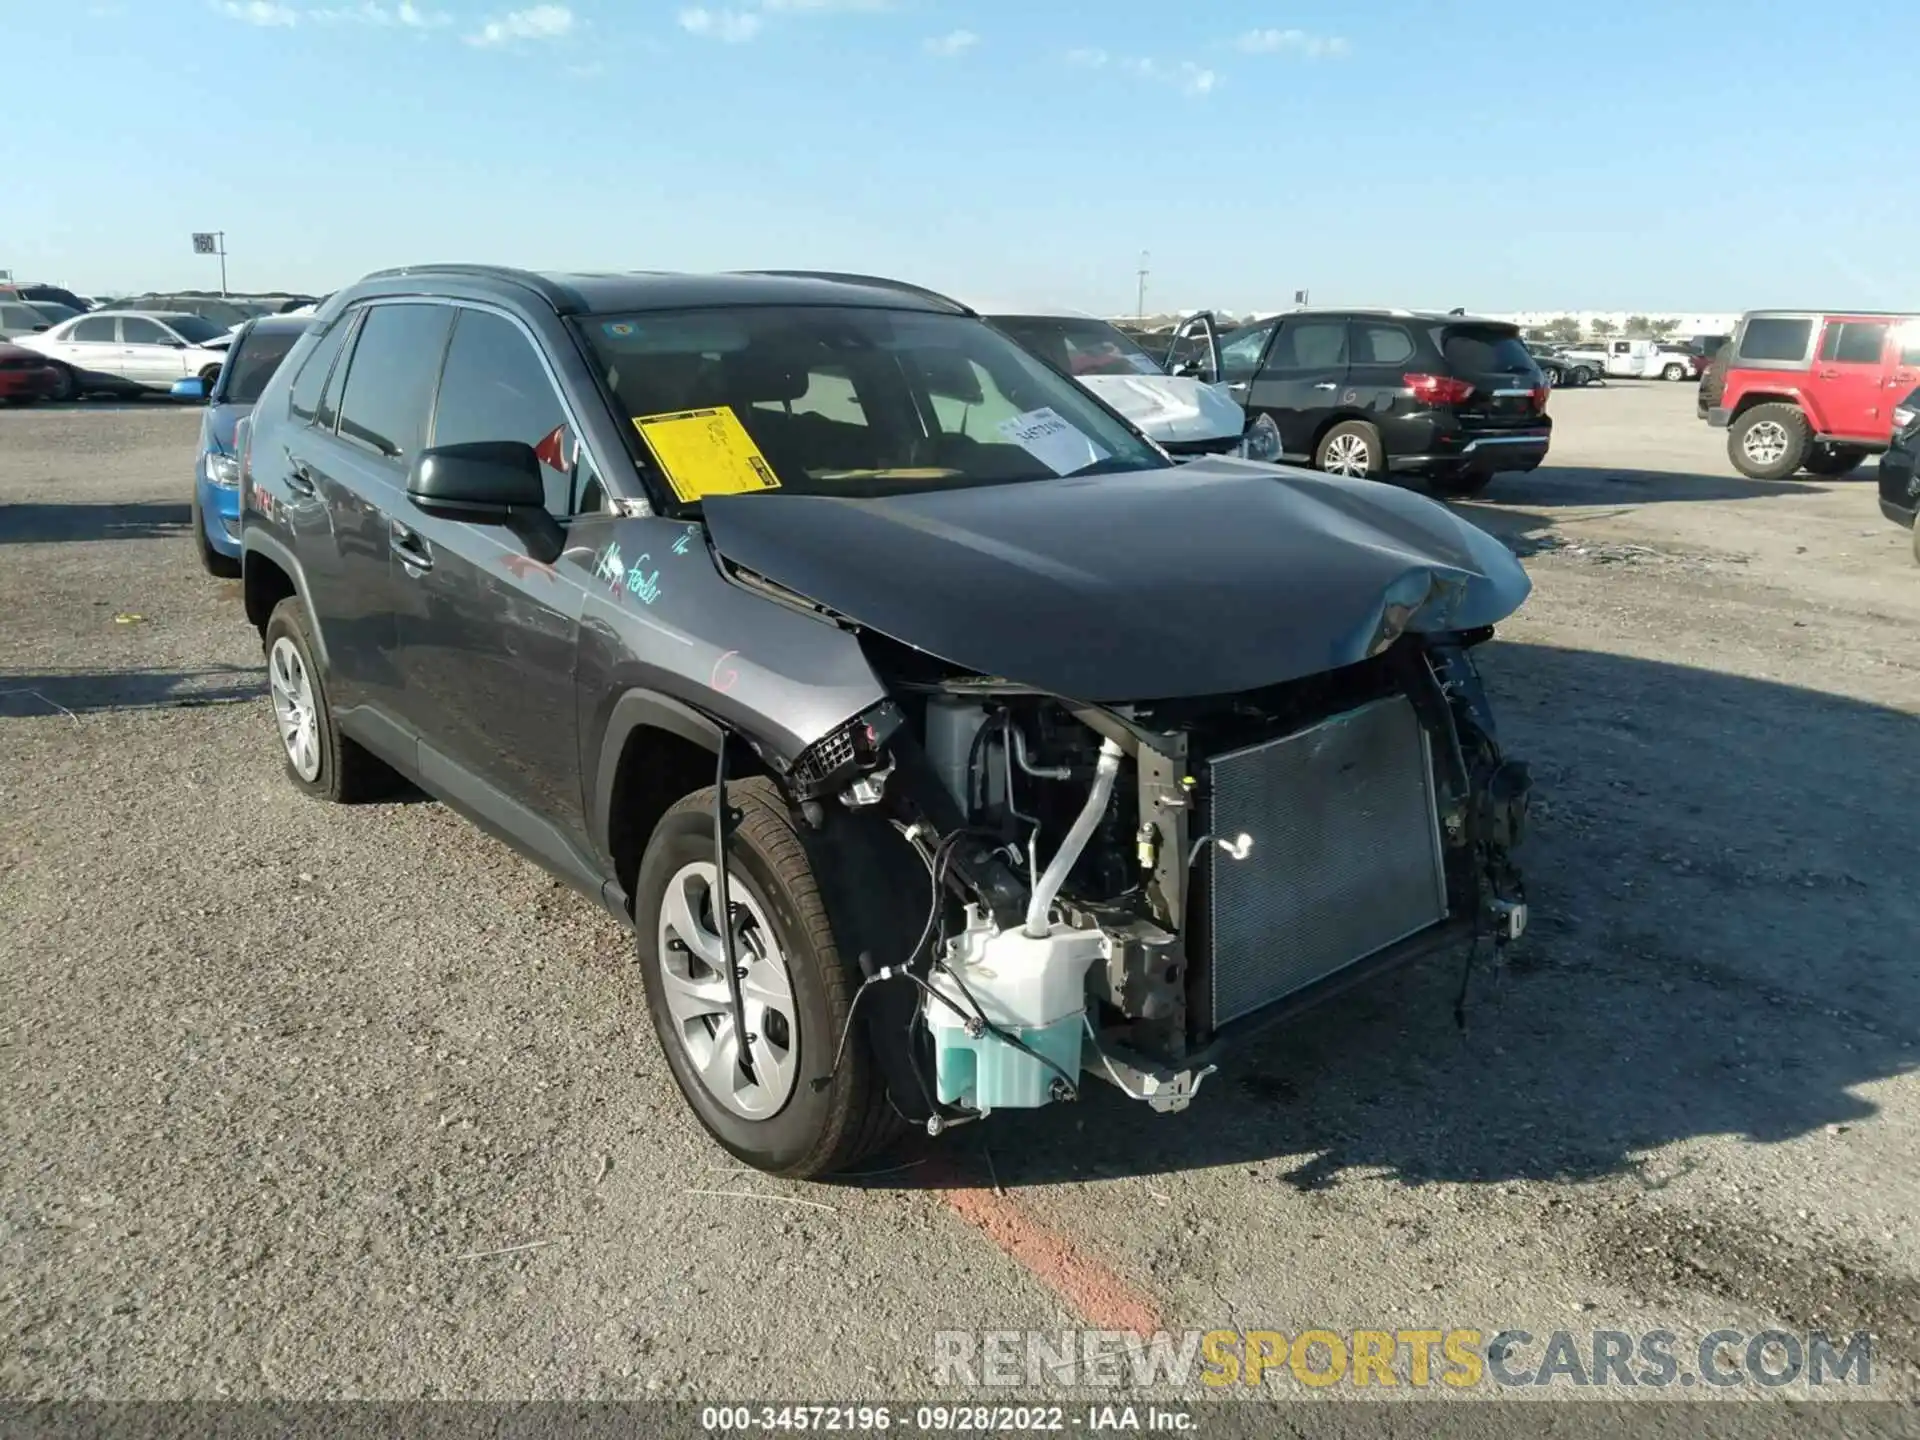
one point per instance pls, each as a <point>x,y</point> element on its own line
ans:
<point>953,43</point>
<point>1088,59</point>
<point>730,27</point>
<point>259,12</point>
<point>1186,77</point>
<point>540,22</point>
<point>1295,42</point>
<point>406,16</point>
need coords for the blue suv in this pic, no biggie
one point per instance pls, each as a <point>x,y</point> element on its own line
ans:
<point>256,352</point>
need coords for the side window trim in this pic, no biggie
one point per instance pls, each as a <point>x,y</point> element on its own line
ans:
<point>340,359</point>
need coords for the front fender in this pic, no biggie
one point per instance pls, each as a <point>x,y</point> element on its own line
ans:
<point>255,542</point>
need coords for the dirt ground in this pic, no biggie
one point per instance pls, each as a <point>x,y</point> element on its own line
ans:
<point>310,1102</point>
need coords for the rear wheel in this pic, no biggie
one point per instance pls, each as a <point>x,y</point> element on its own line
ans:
<point>1769,442</point>
<point>1674,372</point>
<point>320,760</point>
<point>797,990</point>
<point>1352,448</point>
<point>66,384</point>
<point>1835,459</point>
<point>1582,375</point>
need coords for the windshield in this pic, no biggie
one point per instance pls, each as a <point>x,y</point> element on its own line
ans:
<point>1079,347</point>
<point>193,329</point>
<point>831,400</point>
<point>54,313</point>
<point>252,361</point>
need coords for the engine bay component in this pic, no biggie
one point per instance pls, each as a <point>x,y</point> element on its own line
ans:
<point>1010,985</point>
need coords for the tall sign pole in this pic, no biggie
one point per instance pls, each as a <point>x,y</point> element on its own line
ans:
<point>1140,295</point>
<point>213,242</point>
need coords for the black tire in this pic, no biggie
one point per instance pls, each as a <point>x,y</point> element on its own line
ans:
<point>1462,485</point>
<point>1582,376</point>
<point>346,773</point>
<point>66,384</point>
<point>1834,459</point>
<point>211,560</point>
<point>1352,443</point>
<point>1674,372</point>
<point>1769,442</point>
<point>814,1132</point>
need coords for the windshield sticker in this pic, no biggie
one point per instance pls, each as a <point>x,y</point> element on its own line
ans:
<point>706,452</point>
<point>1046,436</point>
<point>620,328</point>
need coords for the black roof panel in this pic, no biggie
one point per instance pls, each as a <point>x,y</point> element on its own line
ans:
<point>607,293</point>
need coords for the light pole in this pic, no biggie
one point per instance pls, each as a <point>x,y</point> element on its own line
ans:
<point>1140,295</point>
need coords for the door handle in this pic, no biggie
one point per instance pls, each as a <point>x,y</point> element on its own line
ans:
<point>300,480</point>
<point>409,546</point>
<point>1829,374</point>
<point>1326,385</point>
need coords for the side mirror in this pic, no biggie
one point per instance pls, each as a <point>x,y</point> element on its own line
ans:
<point>489,482</point>
<point>481,481</point>
<point>191,388</point>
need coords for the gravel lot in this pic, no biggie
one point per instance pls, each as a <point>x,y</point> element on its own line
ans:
<point>279,1078</point>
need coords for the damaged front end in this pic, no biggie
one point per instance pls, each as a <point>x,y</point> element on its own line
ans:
<point>1123,890</point>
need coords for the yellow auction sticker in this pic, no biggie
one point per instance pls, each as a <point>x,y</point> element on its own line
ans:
<point>706,452</point>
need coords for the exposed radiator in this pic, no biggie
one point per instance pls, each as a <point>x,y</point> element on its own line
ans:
<point>1345,859</point>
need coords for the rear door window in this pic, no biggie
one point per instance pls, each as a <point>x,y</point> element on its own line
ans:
<point>1776,338</point>
<point>1855,342</point>
<point>390,378</point>
<point>1483,350</point>
<point>1378,344</point>
<point>1308,346</point>
<point>96,330</point>
<point>312,379</point>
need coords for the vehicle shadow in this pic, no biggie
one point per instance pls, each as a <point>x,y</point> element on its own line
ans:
<point>82,692</point>
<point>32,523</point>
<point>1554,486</point>
<point>1713,951</point>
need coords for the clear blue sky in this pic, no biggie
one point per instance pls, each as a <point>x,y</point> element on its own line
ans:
<point>1636,154</point>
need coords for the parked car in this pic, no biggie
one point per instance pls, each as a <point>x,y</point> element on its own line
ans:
<point>1186,415</point>
<point>48,294</point>
<point>1561,372</point>
<point>1677,362</point>
<point>18,317</point>
<point>25,375</point>
<point>255,354</point>
<point>224,313</point>
<point>1376,393</point>
<point>1588,358</point>
<point>745,603</point>
<point>1809,389</point>
<point>1900,468</point>
<point>128,352</point>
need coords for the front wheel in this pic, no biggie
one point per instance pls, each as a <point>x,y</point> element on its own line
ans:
<point>796,989</point>
<point>1582,375</point>
<point>1352,448</point>
<point>1674,372</point>
<point>1769,442</point>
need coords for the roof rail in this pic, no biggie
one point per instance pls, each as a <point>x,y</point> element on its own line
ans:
<point>877,281</point>
<point>559,296</point>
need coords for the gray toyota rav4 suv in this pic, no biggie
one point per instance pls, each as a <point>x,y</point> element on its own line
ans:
<point>940,740</point>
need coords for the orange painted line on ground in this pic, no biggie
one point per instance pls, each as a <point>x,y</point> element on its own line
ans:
<point>1103,1299</point>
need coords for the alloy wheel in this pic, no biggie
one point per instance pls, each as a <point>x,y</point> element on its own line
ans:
<point>697,997</point>
<point>1348,455</point>
<point>1765,443</point>
<point>292,693</point>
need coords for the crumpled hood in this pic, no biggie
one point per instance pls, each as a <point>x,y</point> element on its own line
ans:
<point>1170,407</point>
<point>1206,578</point>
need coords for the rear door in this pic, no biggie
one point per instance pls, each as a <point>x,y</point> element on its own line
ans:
<point>1847,391</point>
<point>1507,386</point>
<point>1301,378</point>
<point>91,344</point>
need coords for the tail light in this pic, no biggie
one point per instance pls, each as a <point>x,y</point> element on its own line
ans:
<point>243,443</point>
<point>1438,389</point>
<point>1540,399</point>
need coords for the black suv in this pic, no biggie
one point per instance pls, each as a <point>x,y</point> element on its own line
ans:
<point>1032,753</point>
<point>1384,392</point>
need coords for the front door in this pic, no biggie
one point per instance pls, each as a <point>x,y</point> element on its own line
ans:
<point>1301,379</point>
<point>1848,392</point>
<point>489,627</point>
<point>149,353</point>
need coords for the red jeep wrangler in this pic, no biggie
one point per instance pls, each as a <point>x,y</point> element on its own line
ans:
<point>1810,389</point>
